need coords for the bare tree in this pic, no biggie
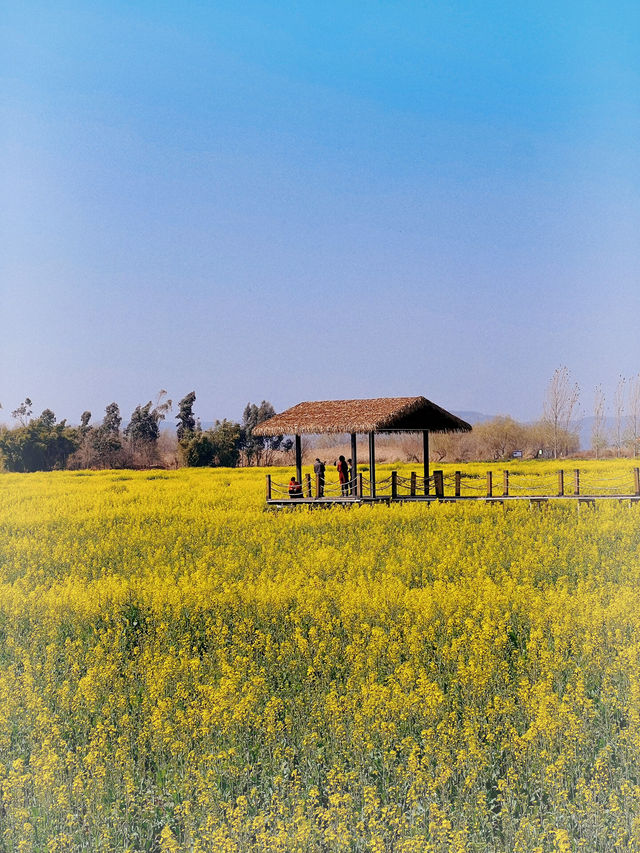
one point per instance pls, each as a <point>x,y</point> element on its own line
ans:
<point>560,403</point>
<point>618,411</point>
<point>598,431</point>
<point>632,434</point>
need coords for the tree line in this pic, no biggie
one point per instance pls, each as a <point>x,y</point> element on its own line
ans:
<point>43,443</point>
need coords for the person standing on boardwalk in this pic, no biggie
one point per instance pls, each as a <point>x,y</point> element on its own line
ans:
<point>343,475</point>
<point>318,470</point>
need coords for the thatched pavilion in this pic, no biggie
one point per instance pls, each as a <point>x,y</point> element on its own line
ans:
<point>381,414</point>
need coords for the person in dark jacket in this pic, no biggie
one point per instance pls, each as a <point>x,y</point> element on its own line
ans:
<point>343,475</point>
<point>318,470</point>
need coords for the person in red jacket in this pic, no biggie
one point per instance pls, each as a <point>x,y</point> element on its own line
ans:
<point>343,475</point>
<point>295,488</point>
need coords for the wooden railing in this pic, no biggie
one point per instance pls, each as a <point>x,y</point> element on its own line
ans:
<point>460,486</point>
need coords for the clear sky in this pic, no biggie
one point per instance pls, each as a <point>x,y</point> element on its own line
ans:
<point>311,200</point>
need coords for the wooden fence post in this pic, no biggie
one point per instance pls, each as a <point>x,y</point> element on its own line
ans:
<point>318,490</point>
<point>560,483</point>
<point>576,481</point>
<point>394,485</point>
<point>268,487</point>
<point>457,486</point>
<point>438,482</point>
<point>636,478</point>
<point>505,483</point>
<point>489,484</point>
<point>413,484</point>
<point>307,478</point>
<point>360,492</point>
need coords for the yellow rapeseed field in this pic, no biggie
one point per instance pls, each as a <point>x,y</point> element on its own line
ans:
<point>182,670</point>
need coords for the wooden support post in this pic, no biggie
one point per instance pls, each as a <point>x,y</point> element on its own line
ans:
<point>413,484</point>
<point>560,483</point>
<point>576,481</point>
<point>394,485</point>
<point>307,478</point>
<point>425,459</point>
<point>298,459</point>
<point>636,479</point>
<point>372,463</point>
<point>505,483</point>
<point>438,483</point>
<point>353,473</point>
<point>318,486</point>
<point>457,487</point>
<point>489,484</point>
<point>360,492</point>
<point>268,487</point>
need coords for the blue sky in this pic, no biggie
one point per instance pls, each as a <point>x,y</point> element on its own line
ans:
<point>317,200</point>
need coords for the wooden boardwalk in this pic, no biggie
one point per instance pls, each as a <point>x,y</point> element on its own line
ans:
<point>292,503</point>
<point>460,488</point>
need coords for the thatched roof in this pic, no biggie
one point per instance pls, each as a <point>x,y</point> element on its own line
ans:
<point>381,414</point>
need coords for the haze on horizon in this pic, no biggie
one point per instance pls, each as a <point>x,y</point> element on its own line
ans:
<point>317,201</point>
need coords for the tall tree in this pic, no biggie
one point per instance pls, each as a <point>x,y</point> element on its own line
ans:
<point>84,456</point>
<point>47,418</point>
<point>259,450</point>
<point>618,413</point>
<point>112,419</point>
<point>143,426</point>
<point>560,403</point>
<point>598,431</point>
<point>85,417</point>
<point>105,439</point>
<point>143,429</point>
<point>632,433</point>
<point>185,417</point>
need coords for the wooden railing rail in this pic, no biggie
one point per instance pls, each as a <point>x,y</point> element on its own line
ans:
<point>515,485</point>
